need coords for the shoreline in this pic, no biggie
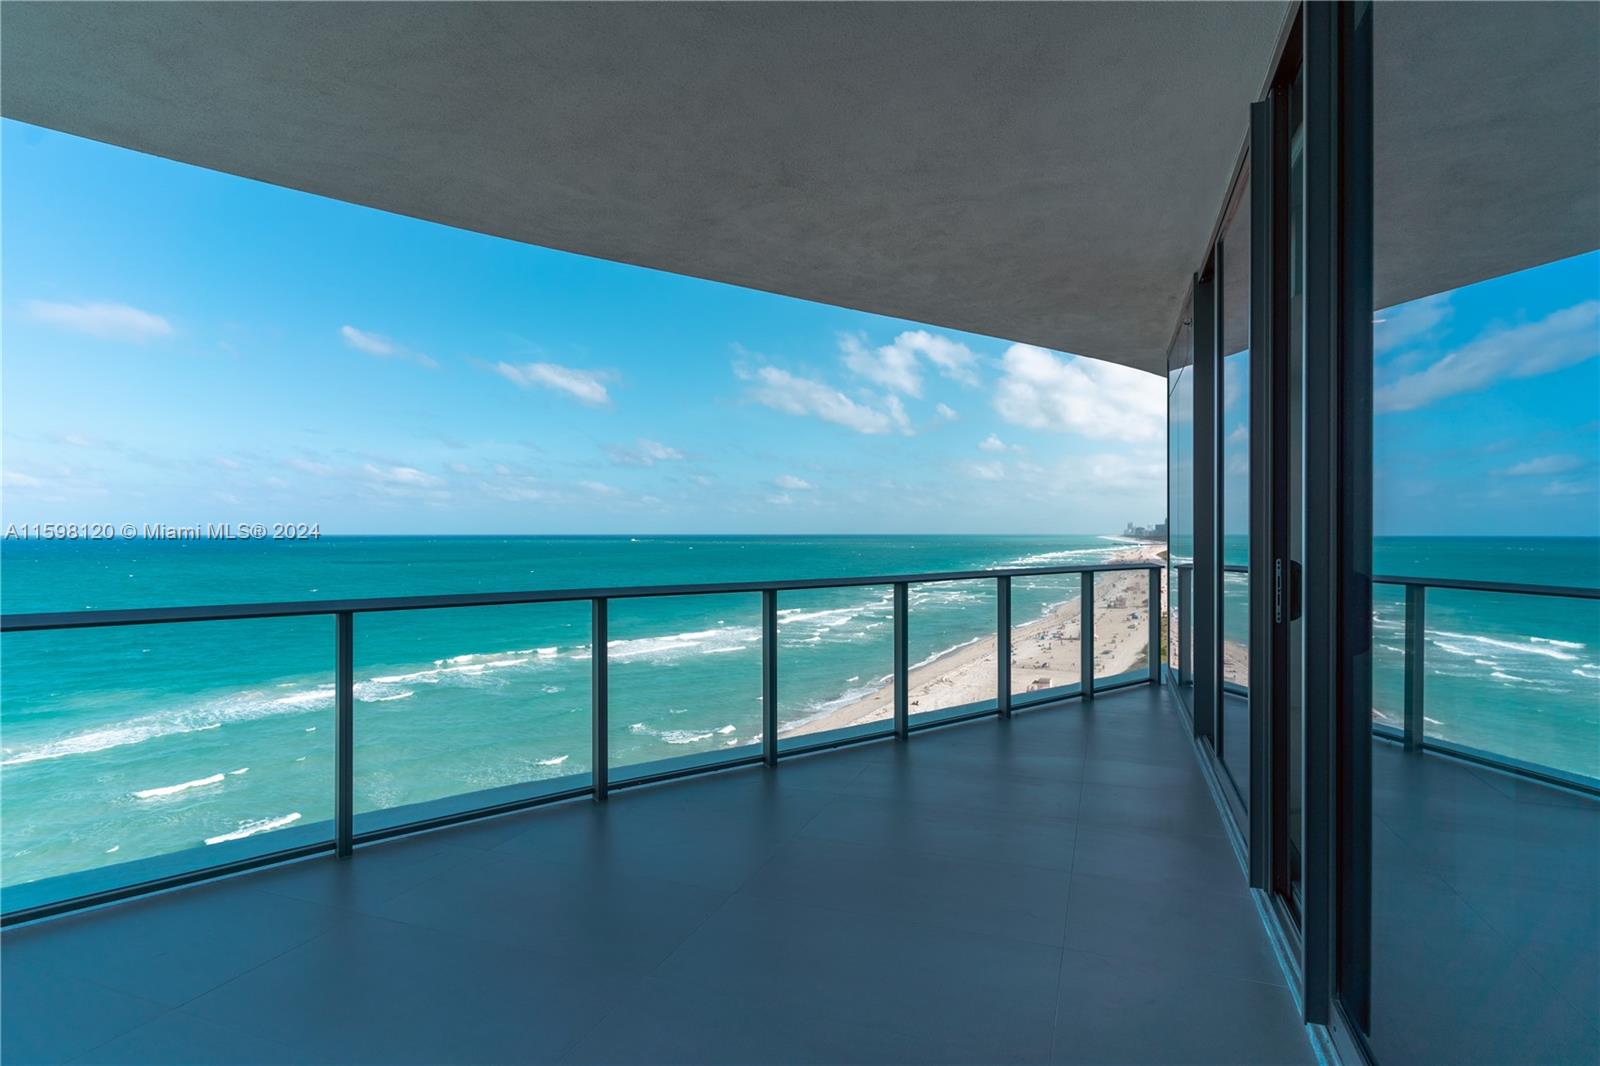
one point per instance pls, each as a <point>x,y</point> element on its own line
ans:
<point>1045,653</point>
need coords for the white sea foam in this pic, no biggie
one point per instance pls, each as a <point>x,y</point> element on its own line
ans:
<point>947,651</point>
<point>679,645</point>
<point>173,790</point>
<point>683,736</point>
<point>1588,670</point>
<point>672,736</point>
<point>1066,555</point>
<point>247,706</point>
<point>725,730</point>
<point>251,828</point>
<point>240,770</point>
<point>1571,645</point>
<point>1531,646</point>
<point>557,761</point>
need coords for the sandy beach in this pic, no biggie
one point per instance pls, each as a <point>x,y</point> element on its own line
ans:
<point>1045,653</point>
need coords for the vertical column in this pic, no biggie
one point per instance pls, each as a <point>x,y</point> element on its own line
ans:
<point>1002,647</point>
<point>1205,612</point>
<point>1157,613</point>
<point>769,676</point>
<point>344,702</point>
<point>1086,635</point>
<point>902,671</point>
<point>599,698</point>
<point>1185,624</point>
<point>1416,642</point>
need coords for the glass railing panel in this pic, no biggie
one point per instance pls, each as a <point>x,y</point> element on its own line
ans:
<point>1516,677</point>
<point>951,638</point>
<point>685,682</point>
<point>1389,657</point>
<point>136,753</point>
<point>463,709</point>
<point>1121,626</point>
<point>835,664</point>
<point>1236,628</point>
<point>1046,656</point>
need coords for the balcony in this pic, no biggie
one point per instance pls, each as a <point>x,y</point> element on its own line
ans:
<point>1057,885</point>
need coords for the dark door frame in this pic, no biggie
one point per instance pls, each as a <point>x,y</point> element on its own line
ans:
<point>1338,494</point>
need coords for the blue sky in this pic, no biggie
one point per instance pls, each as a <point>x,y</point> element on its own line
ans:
<point>182,346</point>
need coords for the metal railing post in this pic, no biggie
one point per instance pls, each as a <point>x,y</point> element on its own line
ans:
<point>902,669</point>
<point>1002,646</point>
<point>1158,611</point>
<point>769,676</point>
<point>1416,634</point>
<point>344,763</point>
<point>599,698</point>
<point>1086,636</point>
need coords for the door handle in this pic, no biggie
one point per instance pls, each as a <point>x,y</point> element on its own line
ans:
<point>1294,590</point>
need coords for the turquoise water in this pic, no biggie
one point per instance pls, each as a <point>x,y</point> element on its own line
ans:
<point>120,744</point>
<point>1517,675</point>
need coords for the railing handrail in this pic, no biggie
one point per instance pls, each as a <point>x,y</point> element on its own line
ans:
<point>25,622</point>
<point>1576,592</point>
<point>343,612</point>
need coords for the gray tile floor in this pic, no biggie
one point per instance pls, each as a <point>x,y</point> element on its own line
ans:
<point>1056,887</point>
<point>1486,916</point>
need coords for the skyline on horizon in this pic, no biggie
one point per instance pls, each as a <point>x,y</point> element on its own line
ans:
<point>407,378</point>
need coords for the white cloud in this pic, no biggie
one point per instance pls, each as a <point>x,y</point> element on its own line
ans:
<point>946,412</point>
<point>382,347</point>
<point>16,479</point>
<point>400,475</point>
<point>993,443</point>
<point>1545,464</point>
<point>1399,326</point>
<point>108,321</point>
<point>783,391</point>
<point>1569,488</point>
<point>362,341</point>
<point>796,484</point>
<point>1240,435</point>
<point>897,413</point>
<point>995,471</point>
<point>1102,401</point>
<point>1559,340</point>
<point>782,499</point>
<point>586,385</point>
<point>895,366</point>
<point>644,453</point>
<point>889,366</point>
<point>600,488</point>
<point>227,464</point>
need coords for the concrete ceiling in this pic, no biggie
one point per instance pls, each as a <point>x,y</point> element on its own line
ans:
<point>1046,173</point>
<point>1039,172</point>
<point>1486,141</point>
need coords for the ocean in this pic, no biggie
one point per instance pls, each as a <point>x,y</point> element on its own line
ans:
<point>122,744</point>
<point>118,744</point>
